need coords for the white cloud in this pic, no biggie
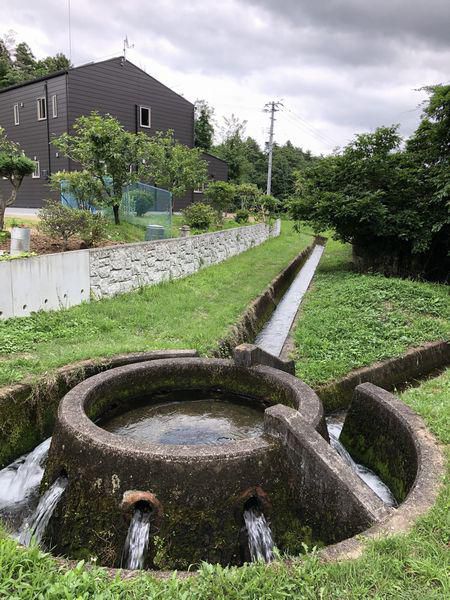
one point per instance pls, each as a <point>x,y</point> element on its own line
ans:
<point>341,66</point>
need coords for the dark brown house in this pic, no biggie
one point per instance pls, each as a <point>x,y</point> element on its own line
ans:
<point>34,112</point>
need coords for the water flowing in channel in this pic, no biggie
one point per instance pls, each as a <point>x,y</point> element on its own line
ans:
<point>369,477</point>
<point>35,526</point>
<point>136,544</point>
<point>273,335</point>
<point>22,478</point>
<point>260,539</point>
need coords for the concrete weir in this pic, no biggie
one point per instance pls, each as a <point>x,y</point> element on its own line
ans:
<point>198,494</point>
<point>162,506</point>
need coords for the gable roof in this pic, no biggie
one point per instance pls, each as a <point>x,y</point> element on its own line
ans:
<point>89,64</point>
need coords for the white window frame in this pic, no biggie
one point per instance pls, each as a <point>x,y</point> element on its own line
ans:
<point>54,106</point>
<point>149,117</point>
<point>16,114</point>
<point>200,189</point>
<point>41,102</point>
<point>36,174</point>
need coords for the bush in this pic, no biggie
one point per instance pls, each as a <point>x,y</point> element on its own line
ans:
<point>81,186</point>
<point>242,216</point>
<point>62,222</point>
<point>221,194</point>
<point>247,196</point>
<point>143,201</point>
<point>266,208</point>
<point>199,216</point>
<point>94,230</point>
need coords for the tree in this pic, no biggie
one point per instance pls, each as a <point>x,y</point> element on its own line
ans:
<point>111,155</point>
<point>391,204</point>
<point>18,63</point>
<point>287,159</point>
<point>247,195</point>
<point>173,166</point>
<point>220,194</point>
<point>14,166</point>
<point>86,190</point>
<point>203,126</point>
<point>232,147</point>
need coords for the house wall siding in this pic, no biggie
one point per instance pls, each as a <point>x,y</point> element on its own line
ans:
<point>117,87</point>
<point>32,135</point>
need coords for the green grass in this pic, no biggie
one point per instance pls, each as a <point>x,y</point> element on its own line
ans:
<point>194,312</point>
<point>20,222</point>
<point>403,567</point>
<point>349,320</point>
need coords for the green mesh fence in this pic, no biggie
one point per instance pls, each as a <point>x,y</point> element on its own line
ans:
<point>142,204</point>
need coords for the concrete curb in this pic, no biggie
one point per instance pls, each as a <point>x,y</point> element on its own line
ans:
<point>257,313</point>
<point>416,363</point>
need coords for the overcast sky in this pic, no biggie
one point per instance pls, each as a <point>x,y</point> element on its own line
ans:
<point>340,66</point>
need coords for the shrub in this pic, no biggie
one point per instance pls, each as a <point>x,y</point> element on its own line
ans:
<point>247,195</point>
<point>94,230</point>
<point>266,208</point>
<point>242,216</point>
<point>199,216</point>
<point>81,186</point>
<point>220,194</point>
<point>61,222</point>
<point>143,201</point>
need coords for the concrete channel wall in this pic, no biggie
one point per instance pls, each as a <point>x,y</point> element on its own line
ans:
<point>56,281</point>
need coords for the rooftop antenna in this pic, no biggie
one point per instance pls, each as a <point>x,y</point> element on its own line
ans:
<point>70,32</point>
<point>126,46</point>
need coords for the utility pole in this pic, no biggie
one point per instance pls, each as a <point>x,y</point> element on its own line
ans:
<point>271,107</point>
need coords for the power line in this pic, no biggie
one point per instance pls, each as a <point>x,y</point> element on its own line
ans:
<point>313,130</point>
<point>310,132</point>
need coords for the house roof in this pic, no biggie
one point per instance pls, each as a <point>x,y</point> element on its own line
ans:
<point>89,64</point>
<point>214,156</point>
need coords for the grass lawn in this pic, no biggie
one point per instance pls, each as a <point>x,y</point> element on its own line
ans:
<point>407,567</point>
<point>349,320</point>
<point>129,231</point>
<point>194,312</point>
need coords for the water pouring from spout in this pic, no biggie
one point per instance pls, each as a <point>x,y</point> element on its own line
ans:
<point>136,543</point>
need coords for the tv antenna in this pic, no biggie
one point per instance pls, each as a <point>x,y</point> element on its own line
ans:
<point>126,46</point>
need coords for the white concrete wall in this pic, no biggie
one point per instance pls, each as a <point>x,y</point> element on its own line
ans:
<point>54,281</point>
<point>45,282</point>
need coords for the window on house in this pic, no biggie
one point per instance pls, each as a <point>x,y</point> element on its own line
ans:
<point>37,169</point>
<point>54,106</point>
<point>144,116</point>
<point>200,189</point>
<point>16,114</point>
<point>41,109</point>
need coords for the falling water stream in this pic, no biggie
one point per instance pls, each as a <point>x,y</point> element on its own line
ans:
<point>22,478</point>
<point>136,543</point>
<point>260,541</point>
<point>334,425</point>
<point>34,527</point>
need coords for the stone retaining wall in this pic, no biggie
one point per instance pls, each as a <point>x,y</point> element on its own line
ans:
<point>119,269</point>
<point>55,281</point>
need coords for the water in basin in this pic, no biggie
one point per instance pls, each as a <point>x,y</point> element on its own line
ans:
<point>210,421</point>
